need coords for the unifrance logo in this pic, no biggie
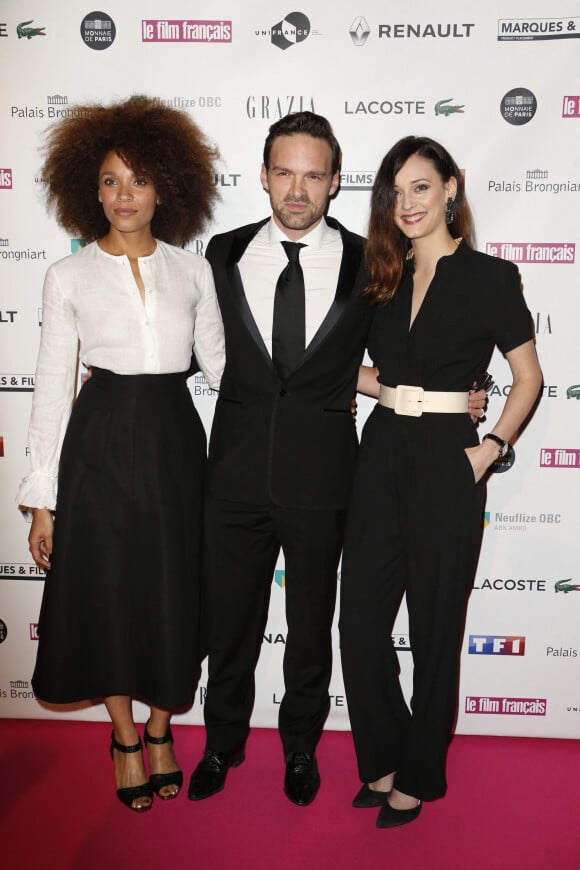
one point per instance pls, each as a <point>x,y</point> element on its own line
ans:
<point>553,253</point>
<point>185,30</point>
<point>571,107</point>
<point>559,457</point>
<point>496,645</point>
<point>294,28</point>
<point>506,706</point>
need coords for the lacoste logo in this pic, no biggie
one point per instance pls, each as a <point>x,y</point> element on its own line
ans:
<point>24,31</point>
<point>566,586</point>
<point>441,108</point>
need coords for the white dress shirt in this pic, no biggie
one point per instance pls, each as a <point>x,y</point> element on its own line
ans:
<point>91,299</point>
<point>265,258</point>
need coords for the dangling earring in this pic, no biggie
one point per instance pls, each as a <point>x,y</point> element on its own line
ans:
<point>449,210</point>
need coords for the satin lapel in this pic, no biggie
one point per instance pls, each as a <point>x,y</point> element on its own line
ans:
<point>349,267</point>
<point>234,279</point>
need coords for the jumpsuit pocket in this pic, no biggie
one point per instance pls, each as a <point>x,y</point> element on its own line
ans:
<point>467,463</point>
<point>463,439</point>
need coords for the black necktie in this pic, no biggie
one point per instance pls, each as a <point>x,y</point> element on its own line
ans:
<point>288,328</point>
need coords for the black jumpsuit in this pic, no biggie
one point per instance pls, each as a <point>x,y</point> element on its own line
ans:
<point>416,517</point>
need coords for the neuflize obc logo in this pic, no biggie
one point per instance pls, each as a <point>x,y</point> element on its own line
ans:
<point>496,645</point>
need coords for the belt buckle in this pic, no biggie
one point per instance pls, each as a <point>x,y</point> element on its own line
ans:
<point>409,400</point>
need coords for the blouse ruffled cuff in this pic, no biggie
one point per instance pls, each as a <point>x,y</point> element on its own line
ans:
<point>37,490</point>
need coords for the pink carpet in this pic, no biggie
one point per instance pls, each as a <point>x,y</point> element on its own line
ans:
<point>512,805</point>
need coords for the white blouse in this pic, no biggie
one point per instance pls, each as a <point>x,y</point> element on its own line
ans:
<point>91,300</point>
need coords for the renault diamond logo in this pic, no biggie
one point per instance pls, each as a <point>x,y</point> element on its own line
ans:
<point>359,30</point>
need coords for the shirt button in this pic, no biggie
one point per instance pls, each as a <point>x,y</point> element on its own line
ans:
<point>283,393</point>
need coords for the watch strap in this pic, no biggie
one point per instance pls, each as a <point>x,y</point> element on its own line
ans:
<point>503,445</point>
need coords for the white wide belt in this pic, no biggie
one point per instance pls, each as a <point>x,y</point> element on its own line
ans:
<point>415,401</point>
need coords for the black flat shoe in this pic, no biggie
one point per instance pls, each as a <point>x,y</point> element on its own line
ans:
<point>391,818</point>
<point>366,798</point>
<point>209,777</point>
<point>132,793</point>
<point>161,780</point>
<point>302,780</point>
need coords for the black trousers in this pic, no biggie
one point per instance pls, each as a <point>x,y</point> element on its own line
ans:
<point>243,543</point>
<point>414,526</point>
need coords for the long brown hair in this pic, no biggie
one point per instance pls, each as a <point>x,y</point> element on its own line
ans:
<point>387,247</point>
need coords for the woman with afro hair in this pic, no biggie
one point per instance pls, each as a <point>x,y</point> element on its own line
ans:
<point>121,541</point>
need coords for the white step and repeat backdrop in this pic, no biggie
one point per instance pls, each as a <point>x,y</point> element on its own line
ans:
<point>498,84</point>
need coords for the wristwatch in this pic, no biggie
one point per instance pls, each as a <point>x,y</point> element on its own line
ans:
<point>503,445</point>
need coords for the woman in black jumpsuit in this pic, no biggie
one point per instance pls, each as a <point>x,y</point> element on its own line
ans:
<point>416,514</point>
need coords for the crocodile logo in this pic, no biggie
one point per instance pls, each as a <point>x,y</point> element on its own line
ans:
<point>26,32</point>
<point>442,108</point>
<point>566,586</point>
<point>573,392</point>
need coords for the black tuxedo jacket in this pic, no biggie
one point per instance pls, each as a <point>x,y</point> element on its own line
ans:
<point>291,443</point>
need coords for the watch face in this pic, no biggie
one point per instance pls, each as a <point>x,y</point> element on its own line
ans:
<point>504,461</point>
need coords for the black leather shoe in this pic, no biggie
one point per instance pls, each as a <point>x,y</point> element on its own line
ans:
<point>302,779</point>
<point>366,797</point>
<point>209,776</point>
<point>389,817</point>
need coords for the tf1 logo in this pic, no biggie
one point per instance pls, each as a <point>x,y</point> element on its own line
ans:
<point>496,645</point>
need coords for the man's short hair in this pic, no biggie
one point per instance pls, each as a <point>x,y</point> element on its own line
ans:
<point>304,122</point>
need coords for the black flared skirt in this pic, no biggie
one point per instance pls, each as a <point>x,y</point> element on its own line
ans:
<point>120,611</point>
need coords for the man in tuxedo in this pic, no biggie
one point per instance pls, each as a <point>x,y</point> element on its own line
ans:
<point>282,449</point>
